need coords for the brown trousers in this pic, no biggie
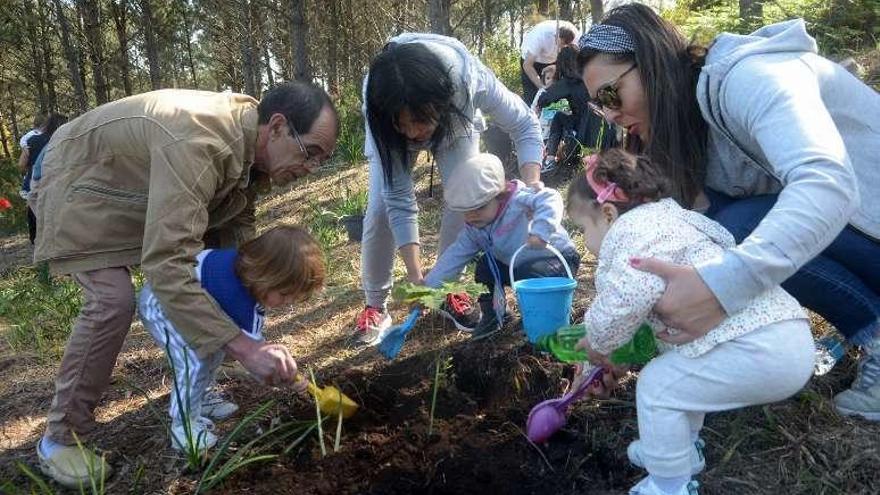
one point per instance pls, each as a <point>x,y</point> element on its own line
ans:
<point>94,344</point>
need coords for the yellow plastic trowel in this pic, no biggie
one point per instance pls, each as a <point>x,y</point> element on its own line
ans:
<point>331,401</point>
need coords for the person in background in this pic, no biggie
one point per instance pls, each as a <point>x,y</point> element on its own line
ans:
<point>588,128</point>
<point>35,145</point>
<point>539,47</point>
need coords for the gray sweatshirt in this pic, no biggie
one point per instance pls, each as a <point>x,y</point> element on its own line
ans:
<point>485,94</point>
<point>526,213</point>
<point>785,120</point>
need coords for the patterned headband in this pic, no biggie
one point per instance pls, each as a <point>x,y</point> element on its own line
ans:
<point>605,191</point>
<point>608,39</point>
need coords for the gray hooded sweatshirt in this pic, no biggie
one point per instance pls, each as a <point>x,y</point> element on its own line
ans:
<point>785,120</point>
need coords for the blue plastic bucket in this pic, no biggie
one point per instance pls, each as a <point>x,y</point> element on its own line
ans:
<point>545,303</point>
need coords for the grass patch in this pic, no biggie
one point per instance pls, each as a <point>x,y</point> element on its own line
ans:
<point>38,311</point>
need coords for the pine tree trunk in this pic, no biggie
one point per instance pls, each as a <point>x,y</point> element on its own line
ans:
<point>565,10</point>
<point>298,35</point>
<point>597,11</point>
<point>751,13</point>
<point>51,97</point>
<point>91,13</point>
<point>6,152</point>
<point>246,47</point>
<point>270,75</point>
<point>438,15</point>
<point>119,11</point>
<point>36,66</point>
<point>332,56</point>
<point>152,44</point>
<point>187,36</point>
<point>544,7</point>
<point>71,57</point>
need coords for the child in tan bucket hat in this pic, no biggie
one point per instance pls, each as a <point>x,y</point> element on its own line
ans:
<point>500,216</point>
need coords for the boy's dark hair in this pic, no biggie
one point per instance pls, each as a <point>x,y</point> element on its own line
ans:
<point>410,76</point>
<point>668,67</point>
<point>566,35</point>
<point>284,258</point>
<point>298,101</point>
<point>53,122</point>
<point>566,64</point>
<point>635,175</point>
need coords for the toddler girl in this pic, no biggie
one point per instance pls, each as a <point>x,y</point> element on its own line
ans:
<point>282,266</point>
<point>500,217</point>
<point>761,354</point>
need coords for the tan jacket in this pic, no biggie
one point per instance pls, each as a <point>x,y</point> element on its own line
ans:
<point>147,180</point>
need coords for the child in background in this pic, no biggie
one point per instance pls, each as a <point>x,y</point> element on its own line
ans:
<point>763,353</point>
<point>280,267</point>
<point>499,218</point>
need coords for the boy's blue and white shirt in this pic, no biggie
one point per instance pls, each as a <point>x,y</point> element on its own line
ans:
<point>215,270</point>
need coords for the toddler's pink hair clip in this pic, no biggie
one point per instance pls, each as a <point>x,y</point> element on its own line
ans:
<point>605,191</point>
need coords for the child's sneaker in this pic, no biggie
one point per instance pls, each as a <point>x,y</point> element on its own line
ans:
<point>863,397</point>
<point>549,165</point>
<point>200,435</point>
<point>216,406</point>
<point>460,310</point>
<point>370,325</point>
<point>648,487</point>
<point>489,324</point>
<point>698,459</point>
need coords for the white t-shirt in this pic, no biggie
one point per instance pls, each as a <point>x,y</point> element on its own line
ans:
<point>540,40</point>
<point>28,135</point>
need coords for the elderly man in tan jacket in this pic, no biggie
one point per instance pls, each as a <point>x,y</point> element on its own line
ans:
<point>153,179</point>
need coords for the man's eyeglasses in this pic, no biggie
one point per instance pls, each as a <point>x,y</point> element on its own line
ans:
<point>607,96</point>
<point>305,151</point>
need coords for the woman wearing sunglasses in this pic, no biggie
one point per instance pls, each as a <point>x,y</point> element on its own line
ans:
<point>427,92</point>
<point>784,144</point>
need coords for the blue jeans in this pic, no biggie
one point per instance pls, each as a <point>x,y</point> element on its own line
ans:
<point>548,266</point>
<point>842,283</point>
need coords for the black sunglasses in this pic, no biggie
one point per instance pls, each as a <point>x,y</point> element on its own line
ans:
<point>606,95</point>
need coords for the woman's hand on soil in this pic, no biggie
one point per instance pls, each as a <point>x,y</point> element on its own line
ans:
<point>536,242</point>
<point>687,303</point>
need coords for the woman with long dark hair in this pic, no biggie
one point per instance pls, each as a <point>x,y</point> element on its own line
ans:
<point>426,92</point>
<point>783,142</point>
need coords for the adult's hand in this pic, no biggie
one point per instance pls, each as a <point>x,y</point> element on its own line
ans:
<point>687,303</point>
<point>270,363</point>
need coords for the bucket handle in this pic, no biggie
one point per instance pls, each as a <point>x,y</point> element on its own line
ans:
<point>549,247</point>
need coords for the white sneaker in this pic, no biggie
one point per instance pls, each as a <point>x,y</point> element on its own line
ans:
<point>698,460</point>
<point>216,406</point>
<point>199,435</point>
<point>647,487</point>
<point>72,466</point>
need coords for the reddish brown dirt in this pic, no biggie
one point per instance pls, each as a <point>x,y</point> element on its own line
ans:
<point>477,443</point>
